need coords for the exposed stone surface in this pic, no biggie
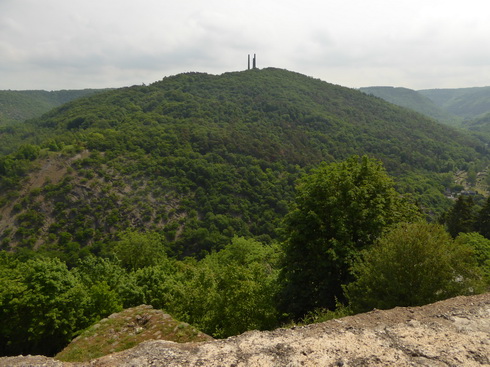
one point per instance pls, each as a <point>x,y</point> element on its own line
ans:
<point>454,332</point>
<point>127,329</point>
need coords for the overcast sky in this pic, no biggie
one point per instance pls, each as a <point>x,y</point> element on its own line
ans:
<point>75,44</point>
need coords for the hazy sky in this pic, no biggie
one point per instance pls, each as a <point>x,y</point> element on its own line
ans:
<point>74,44</point>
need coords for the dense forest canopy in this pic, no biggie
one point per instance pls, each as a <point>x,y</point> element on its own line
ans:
<point>202,158</point>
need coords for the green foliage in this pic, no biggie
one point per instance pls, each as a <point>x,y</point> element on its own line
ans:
<point>159,284</point>
<point>463,102</point>
<point>415,101</point>
<point>137,250</point>
<point>481,249</point>
<point>101,275</point>
<point>40,306</point>
<point>230,291</point>
<point>17,106</point>
<point>480,126</point>
<point>461,217</point>
<point>482,224</point>
<point>190,166</point>
<point>341,209</point>
<point>43,305</point>
<point>412,265</point>
<point>321,314</point>
<point>102,301</point>
<point>14,166</point>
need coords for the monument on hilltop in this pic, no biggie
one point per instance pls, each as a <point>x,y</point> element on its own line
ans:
<point>254,62</point>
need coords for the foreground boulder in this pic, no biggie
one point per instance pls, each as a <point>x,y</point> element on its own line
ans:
<point>454,332</point>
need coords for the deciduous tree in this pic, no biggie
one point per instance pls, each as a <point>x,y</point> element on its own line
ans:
<point>136,250</point>
<point>461,217</point>
<point>230,291</point>
<point>481,248</point>
<point>482,224</point>
<point>41,306</point>
<point>412,265</point>
<point>341,208</point>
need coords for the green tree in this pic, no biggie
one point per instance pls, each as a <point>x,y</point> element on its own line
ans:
<point>101,301</point>
<point>136,250</point>
<point>472,176</point>
<point>28,151</point>
<point>109,287</point>
<point>482,224</point>
<point>340,209</point>
<point>461,217</point>
<point>481,248</point>
<point>158,284</point>
<point>230,291</point>
<point>487,178</point>
<point>41,306</point>
<point>412,265</point>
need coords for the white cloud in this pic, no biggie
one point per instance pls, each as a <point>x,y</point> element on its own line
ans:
<point>53,44</point>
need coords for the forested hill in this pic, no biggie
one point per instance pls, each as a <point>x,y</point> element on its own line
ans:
<point>480,125</point>
<point>468,103</point>
<point>466,108</point>
<point>201,158</point>
<point>413,100</point>
<point>446,105</point>
<point>17,106</point>
<point>271,114</point>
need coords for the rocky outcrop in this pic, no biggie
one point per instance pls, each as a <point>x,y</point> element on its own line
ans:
<point>454,332</point>
<point>126,329</point>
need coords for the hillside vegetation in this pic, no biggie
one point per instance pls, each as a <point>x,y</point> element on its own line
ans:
<point>413,100</point>
<point>479,124</point>
<point>468,103</point>
<point>233,202</point>
<point>18,106</point>
<point>202,158</point>
<point>464,108</point>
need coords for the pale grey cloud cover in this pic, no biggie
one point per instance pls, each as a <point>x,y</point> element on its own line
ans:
<point>61,44</point>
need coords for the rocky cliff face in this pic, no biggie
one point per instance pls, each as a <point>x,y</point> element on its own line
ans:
<point>454,332</point>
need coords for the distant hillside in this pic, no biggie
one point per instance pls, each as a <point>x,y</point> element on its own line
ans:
<point>201,158</point>
<point>465,108</point>
<point>480,124</point>
<point>464,102</point>
<point>18,106</point>
<point>413,100</point>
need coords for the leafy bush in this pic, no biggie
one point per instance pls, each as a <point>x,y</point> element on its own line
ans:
<point>230,291</point>
<point>481,248</point>
<point>412,265</point>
